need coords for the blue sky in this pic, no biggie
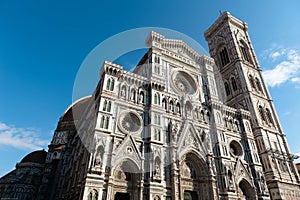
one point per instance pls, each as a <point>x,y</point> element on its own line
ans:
<point>43,43</point>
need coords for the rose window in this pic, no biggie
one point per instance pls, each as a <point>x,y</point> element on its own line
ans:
<point>235,148</point>
<point>184,83</point>
<point>130,122</point>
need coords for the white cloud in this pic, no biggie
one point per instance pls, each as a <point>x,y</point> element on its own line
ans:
<point>296,80</point>
<point>287,69</point>
<point>275,55</point>
<point>21,138</point>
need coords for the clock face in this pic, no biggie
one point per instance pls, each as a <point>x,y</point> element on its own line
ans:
<point>183,83</point>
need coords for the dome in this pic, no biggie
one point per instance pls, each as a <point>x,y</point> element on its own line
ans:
<point>76,109</point>
<point>35,157</point>
<point>73,113</point>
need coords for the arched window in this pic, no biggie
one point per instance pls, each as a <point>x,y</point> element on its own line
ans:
<point>223,55</point>
<point>123,92</point>
<point>132,95</point>
<point>230,124</point>
<point>157,134</point>
<point>261,113</point>
<point>244,51</point>
<point>258,84</point>
<point>227,89</point>
<point>104,122</point>
<point>269,116</point>
<point>233,83</point>
<point>142,97</point>
<point>96,196</point>
<point>171,106</point>
<point>237,127</point>
<point>178,108</point>
<point>157,69</point>
<point>90,196</point>
<point>202,115</point>
<point>248,129</point>
<point>110,84</point>
<point>107,106</point>
<point>251,81</point>
<point>104,105</point>
<point>157,99</point>
<point>164,103</point>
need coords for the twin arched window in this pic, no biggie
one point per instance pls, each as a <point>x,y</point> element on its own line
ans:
<point>93,195</point>
<point>233,83</point>
<point>104,122</point>
<point>269,116</point>
<point>233,86</point>
<point>255,83</point>
<point>227,89</point>
<point>223,55</point>
<point>245,51</point>
<point>251,81</point>
<point>106,106</point>
<point>261,113</point>
<point>258,84</point>
<point>110,84</point>
<point>265,115</point>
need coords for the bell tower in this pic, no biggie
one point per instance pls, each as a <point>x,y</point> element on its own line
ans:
<point>244,87</point>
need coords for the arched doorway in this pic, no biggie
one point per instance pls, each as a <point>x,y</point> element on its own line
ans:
<point>194,179</point>
<point>190,195</point>
<point>126,181</point>
<point>246,191</point>
<point>122,196</point>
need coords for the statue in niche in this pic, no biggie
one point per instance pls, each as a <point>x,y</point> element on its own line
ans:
<point>141,98</point>
<point>132,95</point>
<point>262,183</point>
<point>230,180</point>
<point>185,170</point>
<point>174,127</point>
<point>97,162</point>
<point>120,175</point>
<point>123,92</point>
<point>157,170</point>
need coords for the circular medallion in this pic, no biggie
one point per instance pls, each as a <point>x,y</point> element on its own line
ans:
<point>236,148</point>
<point>184,83</point>
<point>130,122</point>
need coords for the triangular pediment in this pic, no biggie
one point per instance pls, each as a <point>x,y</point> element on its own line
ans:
<point>190,139</point>
<point>241,172</point>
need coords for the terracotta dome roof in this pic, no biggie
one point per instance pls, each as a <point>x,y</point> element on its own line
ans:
<point>76,109</point>
<point>35,157</point>
<point>72,114</point>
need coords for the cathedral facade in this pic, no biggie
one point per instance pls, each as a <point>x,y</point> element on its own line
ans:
<point>181,126</point>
